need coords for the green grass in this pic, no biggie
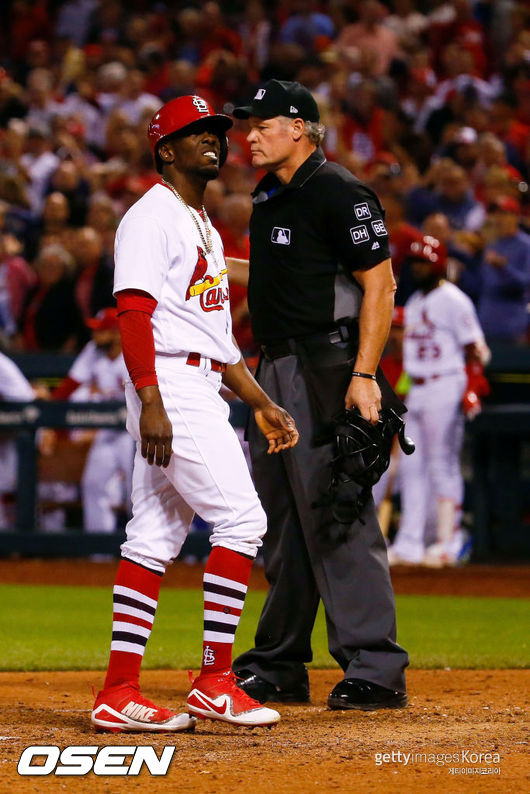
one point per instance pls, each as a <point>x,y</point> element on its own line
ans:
<point>68,628</point>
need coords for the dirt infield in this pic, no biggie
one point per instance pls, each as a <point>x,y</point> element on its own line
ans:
<point>436,743</point>
<point>471,580</point>
<point>313,749</point>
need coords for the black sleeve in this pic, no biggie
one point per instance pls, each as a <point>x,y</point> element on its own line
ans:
<point>355,220</point>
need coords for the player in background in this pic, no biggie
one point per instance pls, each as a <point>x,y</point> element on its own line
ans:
<point>14,387</point>
<point>173,305</point>
<point>108,469</point>
<point>442,335</point>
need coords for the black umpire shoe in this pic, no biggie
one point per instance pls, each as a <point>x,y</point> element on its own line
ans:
<point>356,693</point>
<point>265,692</point>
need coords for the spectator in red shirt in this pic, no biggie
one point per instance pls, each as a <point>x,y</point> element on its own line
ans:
<point>93,288</point>
<point>235,216</point>
<point>216,35</point>
<point>51,320</point>
<point>371,33</point>
<point>16,280</point>
<point>362,128</point>
<point>514,133</point>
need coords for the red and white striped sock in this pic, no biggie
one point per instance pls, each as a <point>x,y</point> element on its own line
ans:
<point>135,597</point>
<point>225,586</point>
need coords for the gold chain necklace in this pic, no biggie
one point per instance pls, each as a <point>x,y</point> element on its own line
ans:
<point>206,239</point>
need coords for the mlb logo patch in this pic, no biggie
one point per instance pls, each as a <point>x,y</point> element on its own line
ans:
<point>281,236</point>
<point>260,94</point>
<point>379,228</point>
<point>359,234</point>
<point>362,211</point>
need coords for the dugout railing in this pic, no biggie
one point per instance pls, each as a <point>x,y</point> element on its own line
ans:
<point>497,445</point>
<point>24,420</point>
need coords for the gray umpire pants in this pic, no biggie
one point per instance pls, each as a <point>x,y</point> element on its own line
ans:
<point>307,558</point>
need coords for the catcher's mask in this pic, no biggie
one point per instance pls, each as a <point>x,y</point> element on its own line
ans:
<point>362,456</point>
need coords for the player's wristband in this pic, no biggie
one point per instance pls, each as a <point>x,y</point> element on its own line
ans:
<point>363,375</point>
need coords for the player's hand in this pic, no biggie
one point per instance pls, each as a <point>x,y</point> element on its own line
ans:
<point>471,404</point>
<point>277,426</point>
<point>365,395</point>
<point>156,433</point>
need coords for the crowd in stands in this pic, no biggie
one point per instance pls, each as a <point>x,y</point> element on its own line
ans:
<point>427,101</point>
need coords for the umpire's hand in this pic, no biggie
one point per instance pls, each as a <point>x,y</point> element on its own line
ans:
<point>365,395</point>
<point>155,428</point>
<point>277,426</point>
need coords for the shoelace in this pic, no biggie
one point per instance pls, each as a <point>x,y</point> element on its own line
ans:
<point>231,688</point>
<point>139,698</point>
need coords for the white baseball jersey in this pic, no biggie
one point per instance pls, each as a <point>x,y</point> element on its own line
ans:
<point>104,376</point>
<point>159,250</point>
<point>438,325</point>
<point>13,385</point>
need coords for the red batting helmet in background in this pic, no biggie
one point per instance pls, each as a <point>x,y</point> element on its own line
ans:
<point>431,250</point>
<point>104,320</point>
<point>180,114</point>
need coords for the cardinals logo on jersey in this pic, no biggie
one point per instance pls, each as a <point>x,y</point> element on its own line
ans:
<point>423,332</point>
<point>199,273</point>
<point>211,295</point>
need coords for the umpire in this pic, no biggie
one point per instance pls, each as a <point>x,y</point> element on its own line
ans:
<point>321,294</point>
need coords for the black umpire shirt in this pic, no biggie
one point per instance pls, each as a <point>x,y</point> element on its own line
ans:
<point>306,238</point>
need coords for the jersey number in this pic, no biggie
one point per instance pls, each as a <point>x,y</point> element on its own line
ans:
<point>428,351</point>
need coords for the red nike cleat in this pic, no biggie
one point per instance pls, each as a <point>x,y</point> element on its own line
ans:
<point>123,708</point>
<point>216,696</point>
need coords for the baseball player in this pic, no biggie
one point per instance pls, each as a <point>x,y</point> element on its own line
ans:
<point>101,368</point>
<point>173,307</point>
<point>442,332</point>
<point>13,388</point>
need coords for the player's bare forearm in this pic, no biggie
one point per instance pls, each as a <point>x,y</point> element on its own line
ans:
<point>378,286</point>
<point>274,422</point>
<point>155,428</point>
<point>239,379</point>
<point>237,271</point>
<point>477,351</point>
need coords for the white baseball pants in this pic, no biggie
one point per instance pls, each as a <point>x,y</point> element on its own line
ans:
<point>436,423</point>
<point>111,454</point>
<point>207,473</point>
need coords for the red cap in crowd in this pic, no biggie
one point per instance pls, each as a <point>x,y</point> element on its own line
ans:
<point>105,320</point>
<point>429,249</point>
<point>506,204</point>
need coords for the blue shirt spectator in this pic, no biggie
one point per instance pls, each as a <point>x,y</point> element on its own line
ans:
<point>505,278</point>
<point>450,195</point>
<point>306,25</point>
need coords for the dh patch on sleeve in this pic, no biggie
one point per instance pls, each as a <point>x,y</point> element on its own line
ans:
<point>359,234</point>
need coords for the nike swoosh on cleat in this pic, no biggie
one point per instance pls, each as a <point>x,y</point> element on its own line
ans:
<point>204,701</point>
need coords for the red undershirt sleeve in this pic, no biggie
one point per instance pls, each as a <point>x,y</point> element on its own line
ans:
<point>65,388</point>
<point>135,309</point>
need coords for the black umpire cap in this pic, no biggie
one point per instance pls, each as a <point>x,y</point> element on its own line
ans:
<point>281,98</point>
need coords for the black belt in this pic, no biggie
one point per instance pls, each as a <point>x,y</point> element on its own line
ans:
<point>290,347</point>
